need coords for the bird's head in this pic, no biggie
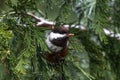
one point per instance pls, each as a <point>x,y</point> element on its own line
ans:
<point>59,36</point>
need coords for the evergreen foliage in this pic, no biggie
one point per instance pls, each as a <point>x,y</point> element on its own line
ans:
<point>93,55</point>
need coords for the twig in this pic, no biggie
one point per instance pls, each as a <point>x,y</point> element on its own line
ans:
<point>41,21</point>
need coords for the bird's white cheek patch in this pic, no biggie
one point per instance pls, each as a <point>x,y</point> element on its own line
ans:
<point>56,35</point>
<point>52,47</point>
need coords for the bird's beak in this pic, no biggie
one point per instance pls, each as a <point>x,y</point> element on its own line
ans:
<point>70,34</point>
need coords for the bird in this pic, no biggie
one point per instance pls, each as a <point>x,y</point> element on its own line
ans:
<point>57,42</point>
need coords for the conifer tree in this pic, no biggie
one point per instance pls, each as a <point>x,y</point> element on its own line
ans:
<point>94,51</point>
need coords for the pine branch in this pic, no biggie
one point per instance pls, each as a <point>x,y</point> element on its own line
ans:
<point>50,24</point>
<point>46,23</point>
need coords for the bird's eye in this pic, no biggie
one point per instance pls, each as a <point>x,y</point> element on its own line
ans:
<point>63,32</point>
<point>60,30</point>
